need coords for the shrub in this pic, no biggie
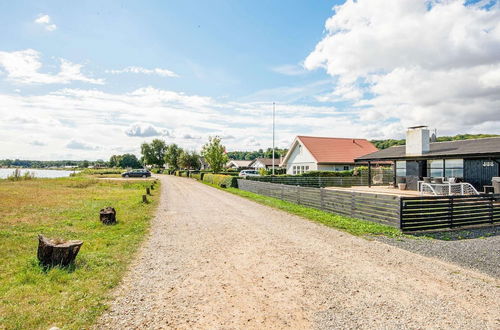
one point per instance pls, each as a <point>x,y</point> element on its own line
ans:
<point>17,176</point>
<point>223,181</point>
<point>196,176</point>
<point>100,171</point>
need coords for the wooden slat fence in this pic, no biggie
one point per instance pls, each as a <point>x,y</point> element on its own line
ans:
<point>372,207</point>
<point>444,212</point>
<point>317,182</point>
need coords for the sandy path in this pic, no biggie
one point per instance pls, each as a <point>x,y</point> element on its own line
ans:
<point>215,260</point>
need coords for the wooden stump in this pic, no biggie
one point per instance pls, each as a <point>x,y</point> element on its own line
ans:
<point>144,199</point>
<point>108,216</point>
<point>52,252</point>
<point>152,186</point>
<point>148,192</point>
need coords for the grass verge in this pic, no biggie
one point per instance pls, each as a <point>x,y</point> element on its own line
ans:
<point>73,297</point>
<point>350,225</point>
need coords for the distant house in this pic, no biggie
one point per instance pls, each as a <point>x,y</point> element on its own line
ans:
<point>309,153</point>
<point>203,164</point>
<point>238,164</point>
<point>473,161</point>
<point>266,163</point>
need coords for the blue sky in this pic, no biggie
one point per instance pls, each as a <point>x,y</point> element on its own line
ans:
<point>89,79</point>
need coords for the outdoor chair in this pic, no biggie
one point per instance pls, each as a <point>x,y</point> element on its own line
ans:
<point>438,180</point>
<point>495,182</point>
<point>427,179</point>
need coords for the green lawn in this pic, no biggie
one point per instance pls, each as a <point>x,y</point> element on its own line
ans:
<point>351,225</point>
<point>31,298</point>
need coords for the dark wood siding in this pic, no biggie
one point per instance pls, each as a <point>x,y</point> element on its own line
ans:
<point>479,175</point>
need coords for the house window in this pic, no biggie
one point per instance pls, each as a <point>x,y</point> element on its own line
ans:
<point>346,168</point>
<point>294,170</point>
<point>401,168</point>
<point>454,168</point>
<point>435,168</point>
<point>307,168</point>
<point>302,169</point>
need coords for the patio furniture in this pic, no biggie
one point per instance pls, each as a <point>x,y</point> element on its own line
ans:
<point>495,182</point>
<point>438,180</point>
<point>427,179</point>
<point>378,179</point>
<point>488,190</point>
<point>447,189</point>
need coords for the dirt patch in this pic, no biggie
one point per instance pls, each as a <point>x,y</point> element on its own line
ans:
<point>215,260</point>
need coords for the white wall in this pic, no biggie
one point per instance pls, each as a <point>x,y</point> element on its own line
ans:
<point>300,157</point>
<point>337,167</point>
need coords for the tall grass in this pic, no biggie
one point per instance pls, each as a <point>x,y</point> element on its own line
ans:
<point>18,176</point>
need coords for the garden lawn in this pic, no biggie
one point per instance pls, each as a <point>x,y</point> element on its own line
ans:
<point>68,208</point>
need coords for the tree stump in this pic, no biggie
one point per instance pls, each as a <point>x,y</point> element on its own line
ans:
<point>148,192</point>
<point>144,199</point>
<point>108,216</point>
<point>52,252</point>
<point>152,186</point>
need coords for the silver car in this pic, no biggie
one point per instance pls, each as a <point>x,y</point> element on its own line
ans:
<point>245,173</point>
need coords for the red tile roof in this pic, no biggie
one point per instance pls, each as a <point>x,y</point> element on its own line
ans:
<point>336,150</point>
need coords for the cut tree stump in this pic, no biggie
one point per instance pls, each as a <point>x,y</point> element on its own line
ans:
<point>52,252</point>
<point>148,192</point>
<point>144,199</point>
<point>108,216</point>
<point>152,186</point>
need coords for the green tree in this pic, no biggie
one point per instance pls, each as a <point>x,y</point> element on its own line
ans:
<point>85,164</point>
<point>172,154</point>
<point>215,154</point>
<point>189,160</point>
<point>114,161</point>
<point>129,160</point>
<point>154,153</point>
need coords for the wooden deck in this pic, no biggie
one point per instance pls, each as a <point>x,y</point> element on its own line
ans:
<point>381,190</point>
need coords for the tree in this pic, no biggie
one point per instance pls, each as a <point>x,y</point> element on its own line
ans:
<point>129,160</point>
<point>114,161</point>
<point>154,152</point>
<point>215,154</point>
<point>189,160</point>
<point>85,164</point>
<point>172,154</point>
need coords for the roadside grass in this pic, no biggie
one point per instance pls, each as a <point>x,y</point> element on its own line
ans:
<point>352,226</point>
<point>68,208</point>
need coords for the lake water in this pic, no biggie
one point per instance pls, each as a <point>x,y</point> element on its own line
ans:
<point>5,172</point>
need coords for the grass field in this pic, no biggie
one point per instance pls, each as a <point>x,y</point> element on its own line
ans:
<point>351,225</point>
<point>31,298</point>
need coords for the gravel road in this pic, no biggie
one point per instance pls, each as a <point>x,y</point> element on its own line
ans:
<point>214,260</point>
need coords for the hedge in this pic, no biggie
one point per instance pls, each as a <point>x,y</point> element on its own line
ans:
<point>221,180</point>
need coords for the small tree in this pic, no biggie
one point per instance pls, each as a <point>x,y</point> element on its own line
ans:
<point>189,160</point>
<point>114,161</point>
<point>172,154</point>
<point>215,154</point>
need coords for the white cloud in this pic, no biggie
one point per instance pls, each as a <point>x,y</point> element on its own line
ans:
<point>45,21</point>
<point>79,145</point>
<point>138,69</point>
<point>23,67</point>
<point>290,69</point>
<point>145,130</point>
<point>38,143</point>
<point>419,61</point>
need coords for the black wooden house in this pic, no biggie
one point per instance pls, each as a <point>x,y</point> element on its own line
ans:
<point>473,161</point>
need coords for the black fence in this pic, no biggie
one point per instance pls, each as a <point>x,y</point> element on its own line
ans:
<point>443,212</point>
<point>372,207</point>
<point>407,213</point>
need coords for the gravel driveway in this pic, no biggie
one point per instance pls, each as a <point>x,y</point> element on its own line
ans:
<point>215,260</point>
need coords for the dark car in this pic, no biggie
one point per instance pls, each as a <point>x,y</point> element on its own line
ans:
<point>140,173</point>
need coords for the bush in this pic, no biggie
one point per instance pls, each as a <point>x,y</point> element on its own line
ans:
<point>17,176</point>
<point>196,176</point>
<point>157,170</point>
<point>327,173</point>
<point>221,180</point>
<point>101,171</point>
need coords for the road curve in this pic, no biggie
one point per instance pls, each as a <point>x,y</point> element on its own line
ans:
<point>215,260</point>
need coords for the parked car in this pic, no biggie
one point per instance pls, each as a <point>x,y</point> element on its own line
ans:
<point>140,173</point>
<point>245,173</point>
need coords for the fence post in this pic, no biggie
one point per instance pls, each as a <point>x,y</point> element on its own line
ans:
<point>282,192</point>
<point>298,195</point>
<point>401,206</point>
<point>490,204</point>
<point>450,210</point>
<point>322,195</point>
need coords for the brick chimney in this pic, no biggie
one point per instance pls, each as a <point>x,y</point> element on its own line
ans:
<point>417,141</point>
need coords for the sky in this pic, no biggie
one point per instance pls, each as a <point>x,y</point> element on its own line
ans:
<point>89,79</point>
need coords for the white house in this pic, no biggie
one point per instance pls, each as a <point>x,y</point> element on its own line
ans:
<point>266,163</point>
<point>238,164</point>
<point>308,153</point>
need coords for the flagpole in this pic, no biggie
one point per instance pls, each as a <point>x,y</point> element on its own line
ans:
<point>273,134</point>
